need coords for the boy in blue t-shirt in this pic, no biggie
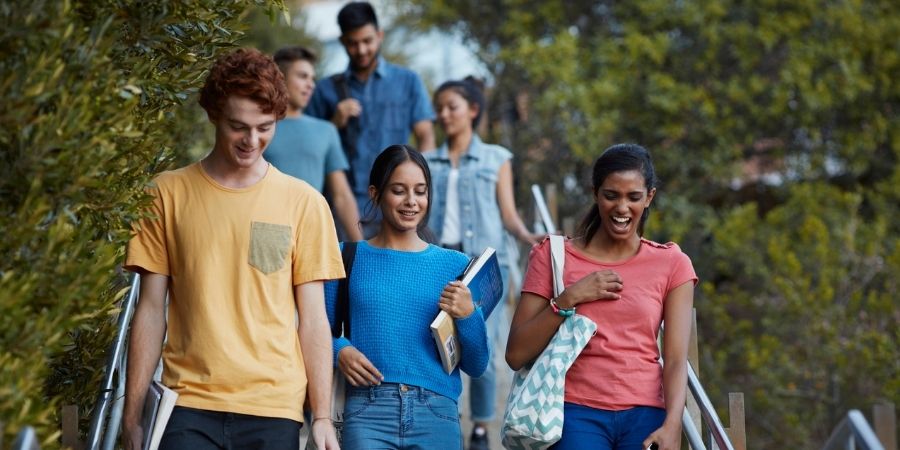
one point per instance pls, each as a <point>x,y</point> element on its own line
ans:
<point>309,148</point>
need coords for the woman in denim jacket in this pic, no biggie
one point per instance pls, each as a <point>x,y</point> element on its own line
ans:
<point>474,207</point>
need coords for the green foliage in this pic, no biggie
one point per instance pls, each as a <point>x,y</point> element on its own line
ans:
<point>797,306</point>
<point>269,33</point>
<point>802,316</point>
<point>92,92</point>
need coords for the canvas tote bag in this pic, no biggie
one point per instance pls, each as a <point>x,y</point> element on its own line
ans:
<point>534,409</point>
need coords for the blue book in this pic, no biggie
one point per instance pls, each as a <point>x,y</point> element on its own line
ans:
<point>482,277</point>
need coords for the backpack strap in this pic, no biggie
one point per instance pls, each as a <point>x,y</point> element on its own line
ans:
<point>557,262</point>
<point>350,133</point>
<point>342,308</point>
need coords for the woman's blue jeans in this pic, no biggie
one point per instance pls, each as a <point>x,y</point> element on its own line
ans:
<point>400,416</point>
<point>600,429</point>
<point>483,390</point>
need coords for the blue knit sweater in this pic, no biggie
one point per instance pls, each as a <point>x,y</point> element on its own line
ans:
<point>394,297</point>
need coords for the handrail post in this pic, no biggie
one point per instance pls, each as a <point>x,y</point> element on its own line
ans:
<point>115,355</point>
<point>884,420</point>
<point>736,430</point>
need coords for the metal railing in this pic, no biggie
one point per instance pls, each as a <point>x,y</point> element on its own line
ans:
<point>26,440</point>
<point>110,400</point>
<point>853,430</point>
<point>717,434</point>
<point>542,211</point>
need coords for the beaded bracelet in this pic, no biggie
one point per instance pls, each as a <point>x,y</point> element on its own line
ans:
<point>564,312</point>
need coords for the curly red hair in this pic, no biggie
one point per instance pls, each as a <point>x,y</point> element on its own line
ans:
<point>245,72</point>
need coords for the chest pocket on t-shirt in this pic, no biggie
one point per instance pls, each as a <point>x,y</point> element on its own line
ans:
<point>269,246</point>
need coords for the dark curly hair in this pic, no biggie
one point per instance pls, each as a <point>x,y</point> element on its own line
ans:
<point>245,72</point>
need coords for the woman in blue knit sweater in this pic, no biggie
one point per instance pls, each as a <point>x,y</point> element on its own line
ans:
<point>398,395</point>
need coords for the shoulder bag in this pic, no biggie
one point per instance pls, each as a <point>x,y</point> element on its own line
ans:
<point>534,409</point>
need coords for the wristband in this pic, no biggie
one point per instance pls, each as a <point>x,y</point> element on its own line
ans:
<point>321,418</point>
<point>564,312</point>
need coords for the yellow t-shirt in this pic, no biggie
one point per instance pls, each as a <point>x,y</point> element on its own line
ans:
<point>233,257</point>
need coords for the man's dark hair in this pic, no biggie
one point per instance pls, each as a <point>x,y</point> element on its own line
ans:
<point>288,55</point>
<point>355,15</point>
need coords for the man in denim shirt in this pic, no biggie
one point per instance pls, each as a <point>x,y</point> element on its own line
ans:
<point>373,103</point>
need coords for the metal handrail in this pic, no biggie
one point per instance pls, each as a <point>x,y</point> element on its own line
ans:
<point>853,429</point>
<point>543,211</point>
<point>113,368</point>
<point>716,430</point>
<point>26,440</point>
<point>695,440</point>
<point>717,433</point>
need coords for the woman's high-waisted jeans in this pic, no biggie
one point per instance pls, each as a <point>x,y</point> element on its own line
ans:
<point>400,416</point>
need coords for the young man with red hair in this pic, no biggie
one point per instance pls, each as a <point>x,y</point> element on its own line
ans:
<point>242,251</point>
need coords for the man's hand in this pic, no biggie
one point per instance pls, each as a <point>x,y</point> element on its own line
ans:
<point>132,436</point>
<point>344,110</point>
<point>322,433</point>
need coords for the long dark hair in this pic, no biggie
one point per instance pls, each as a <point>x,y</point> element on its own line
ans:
<point>618,158</point>
<point>382,169</point>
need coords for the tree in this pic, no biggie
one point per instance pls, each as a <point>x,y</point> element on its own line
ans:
<point>92,93</point>
<point>773,126</point>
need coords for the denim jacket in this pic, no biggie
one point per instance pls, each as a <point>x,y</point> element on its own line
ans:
<point>480,222</point>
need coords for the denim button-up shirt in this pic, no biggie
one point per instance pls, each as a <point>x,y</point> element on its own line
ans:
<point>393,99</point>
<point>479,212</point>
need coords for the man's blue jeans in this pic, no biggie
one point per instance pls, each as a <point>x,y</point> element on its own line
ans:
<point>400,416</point>
<point>600,429</point>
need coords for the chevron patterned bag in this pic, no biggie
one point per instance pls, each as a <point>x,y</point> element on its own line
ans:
<point>534,409</point>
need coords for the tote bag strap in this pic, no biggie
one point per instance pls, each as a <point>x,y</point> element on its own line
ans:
<point>558,261</point>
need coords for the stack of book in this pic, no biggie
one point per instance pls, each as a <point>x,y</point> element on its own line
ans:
<point>482,277</point>
<point>158,405</point>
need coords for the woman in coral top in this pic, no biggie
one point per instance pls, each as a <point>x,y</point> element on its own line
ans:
<point>618,394</point>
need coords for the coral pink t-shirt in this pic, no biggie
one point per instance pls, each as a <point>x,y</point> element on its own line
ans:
<point>619,368</point>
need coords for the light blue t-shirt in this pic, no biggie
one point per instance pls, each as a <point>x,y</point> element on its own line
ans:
<point>393,99</point>
<point>306,148</point>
